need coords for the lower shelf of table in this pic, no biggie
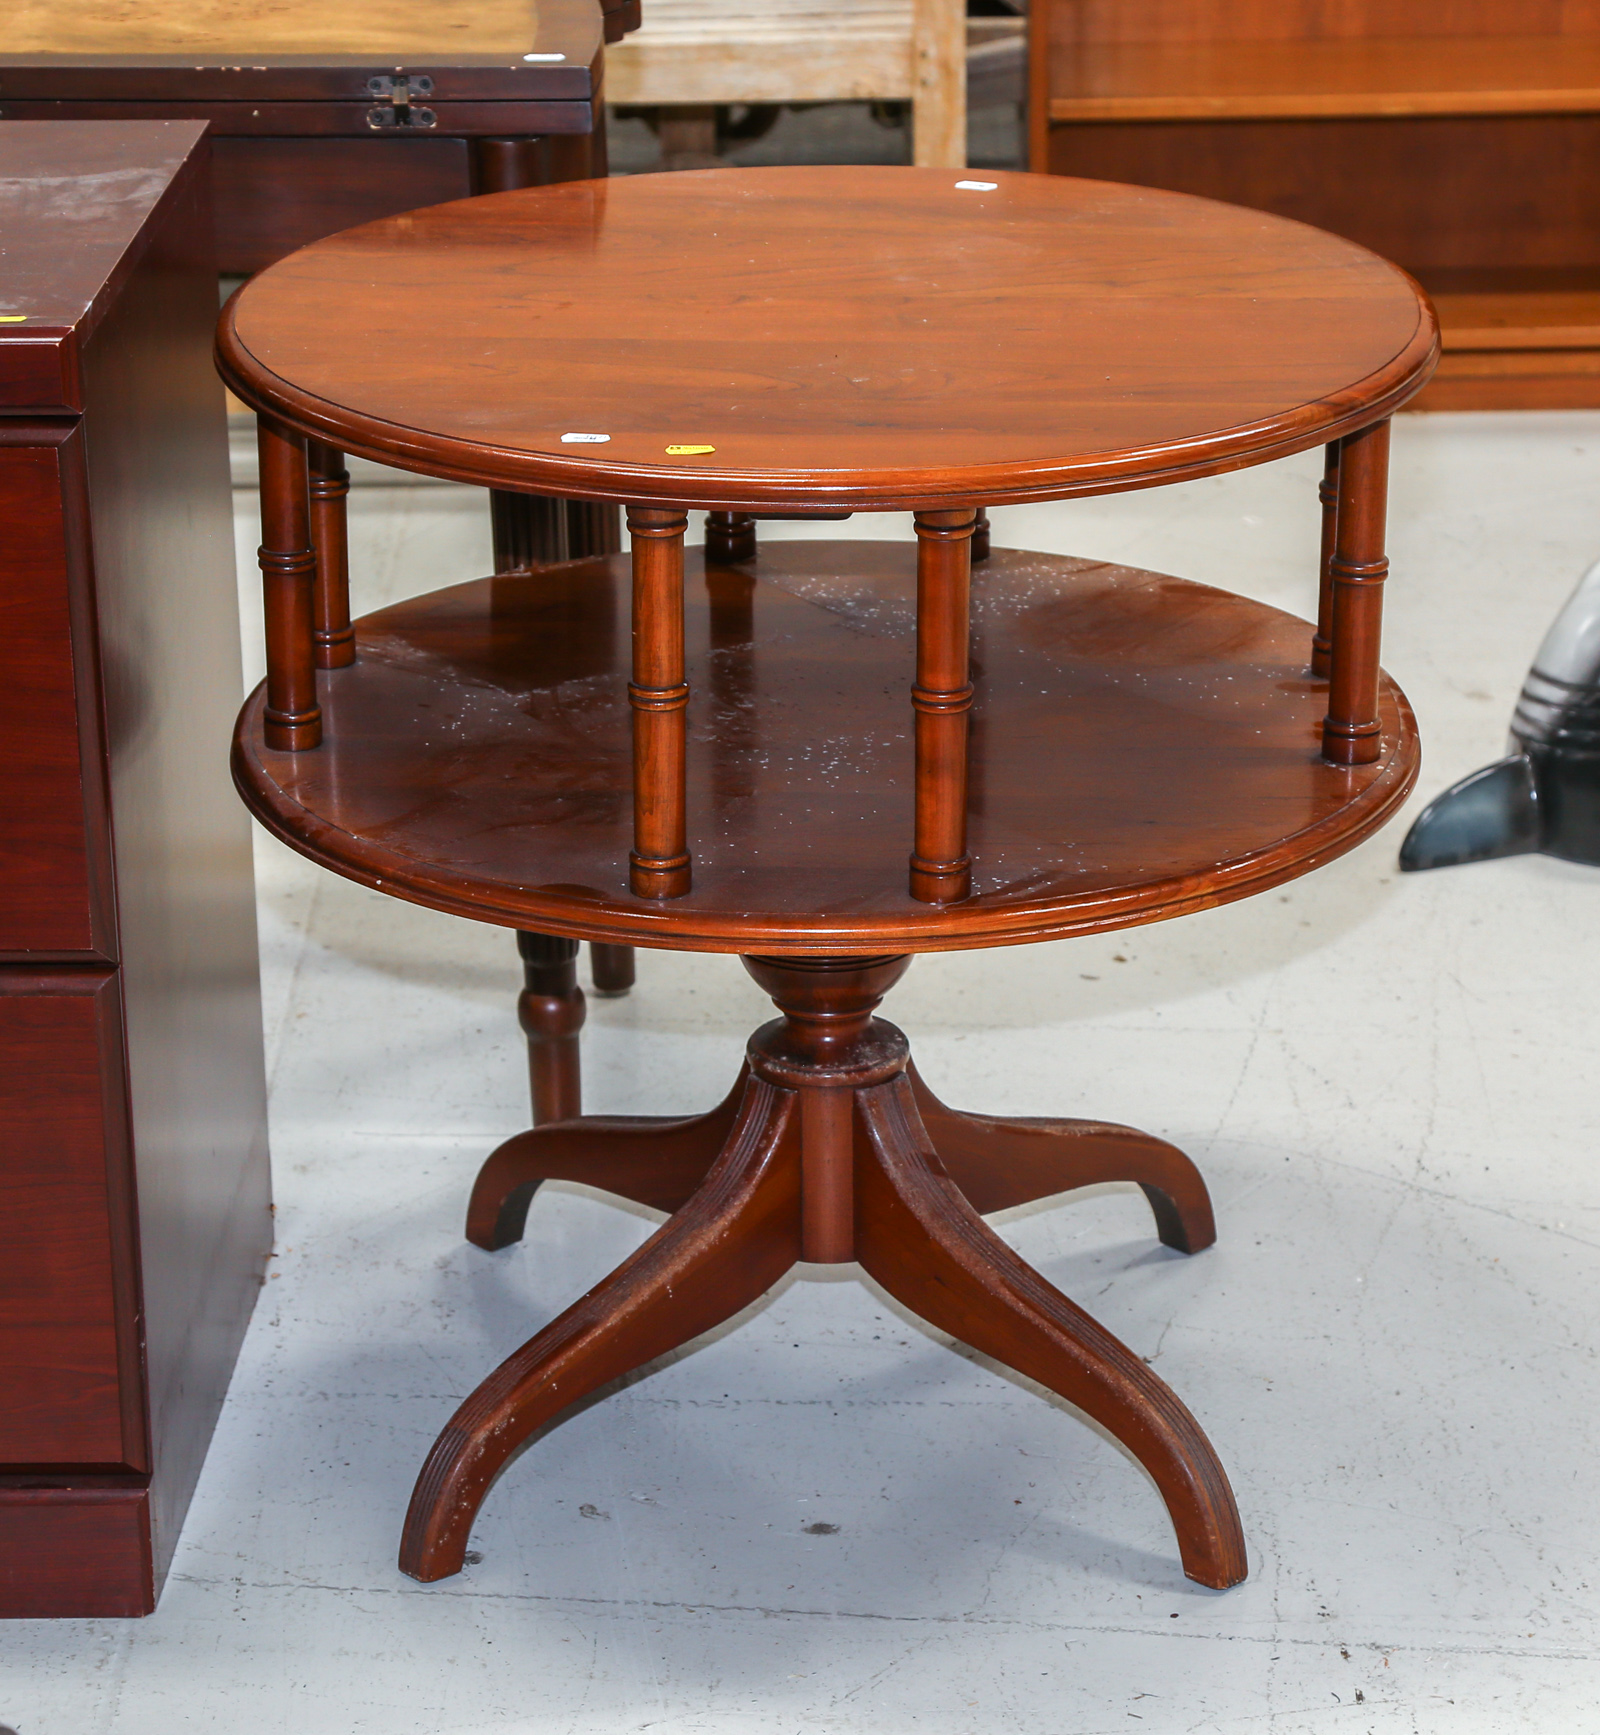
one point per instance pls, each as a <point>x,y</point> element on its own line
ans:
<point>1140,746</point>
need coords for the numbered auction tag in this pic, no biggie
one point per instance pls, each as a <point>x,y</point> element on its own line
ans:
<point>584,439</point>
<point>688,451</point>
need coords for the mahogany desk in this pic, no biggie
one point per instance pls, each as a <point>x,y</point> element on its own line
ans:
<point>839,754</point>
<point>134,1214</point>
<point>323,116</point>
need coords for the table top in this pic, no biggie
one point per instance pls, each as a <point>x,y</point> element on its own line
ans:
<point>852,337</point>
<point>199,50</point>
<point>1140,746</point>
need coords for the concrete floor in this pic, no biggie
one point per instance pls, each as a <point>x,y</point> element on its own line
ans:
<point>825,1517</point>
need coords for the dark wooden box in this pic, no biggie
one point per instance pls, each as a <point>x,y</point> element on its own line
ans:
<point>321,117</point>
<point>134,1207</point>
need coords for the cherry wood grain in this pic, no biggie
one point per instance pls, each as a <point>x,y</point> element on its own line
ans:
<point>332,636</point>
<point>841,337</point>
<point>828,1149</point>
<point>550,1010</point>
<point>998,1162</point>
<point>723,1250</point>
<point>941,869</point>
<point>1240,79</point>
<point>1148,746</point>
<point>918,1236</point>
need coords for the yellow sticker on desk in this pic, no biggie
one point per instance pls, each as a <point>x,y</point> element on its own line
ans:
<point>13,318</point>
<point>688,451</point>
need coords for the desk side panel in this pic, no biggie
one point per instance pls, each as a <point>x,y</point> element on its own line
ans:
<point>161,509</point>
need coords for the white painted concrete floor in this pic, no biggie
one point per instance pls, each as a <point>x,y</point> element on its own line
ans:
<point>827,1519</point>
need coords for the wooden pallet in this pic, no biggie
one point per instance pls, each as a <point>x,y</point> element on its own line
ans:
<point>697,53</point>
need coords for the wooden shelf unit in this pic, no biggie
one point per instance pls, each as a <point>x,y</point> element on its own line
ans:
<point>1460,138</point>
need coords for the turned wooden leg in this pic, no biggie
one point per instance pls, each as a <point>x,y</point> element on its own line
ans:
<point>1351,730</point>
<point>653,1160</point>
<point>980,536</point>
<point>550,1011</point>
<point>332,634</point>
<point>611,969</point>
<point>999,1162</point>
<point>732,1241</point>
<point>920,1238</point>
<point>292,721</point>
<point>1328,496</point>
<point>941,697</point>
<point>730,537</point>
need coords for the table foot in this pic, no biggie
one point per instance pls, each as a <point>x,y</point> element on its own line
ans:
<point>920,1238</point>
<point>652,1160</point>
<point>1012,1161</point>
<point>829,1148</point>
<point>728,1245</point>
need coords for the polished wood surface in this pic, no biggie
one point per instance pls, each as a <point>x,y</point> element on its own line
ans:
<point>829,1149</point>
<point>1148,746</point>
<point>133,1152</point>
<point>840,337</point>
<point>1340,77</point>
<point>56,883</point>
<point>69,1341</point>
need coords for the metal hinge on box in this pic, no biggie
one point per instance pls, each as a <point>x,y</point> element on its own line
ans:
<point>394,106</point>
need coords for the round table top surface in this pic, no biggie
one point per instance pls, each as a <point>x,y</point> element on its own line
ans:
<point>812,337</point>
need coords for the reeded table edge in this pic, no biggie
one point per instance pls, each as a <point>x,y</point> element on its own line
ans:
<point>1370,399</point>
<point>670,926</point>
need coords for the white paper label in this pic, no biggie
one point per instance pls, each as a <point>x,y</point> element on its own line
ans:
<point>544,57</point>
<point>976,186</point>
<point>584,439</point>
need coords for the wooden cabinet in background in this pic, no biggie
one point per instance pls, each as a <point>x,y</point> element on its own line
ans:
<point>134,1213</point>
<point>325,117</point>
<point>1460,138</point>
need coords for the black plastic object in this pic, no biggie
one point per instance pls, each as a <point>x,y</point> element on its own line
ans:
<point>1544,798</point>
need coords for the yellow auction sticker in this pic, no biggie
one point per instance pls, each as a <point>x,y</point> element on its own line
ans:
<point>688,451</point>
<point>13,318</point>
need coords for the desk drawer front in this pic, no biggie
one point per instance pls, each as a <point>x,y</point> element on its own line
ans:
<point>44,850</point>
<point>69,1388</point>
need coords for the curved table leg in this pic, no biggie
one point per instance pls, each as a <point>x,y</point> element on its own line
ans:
<point>920,1238</point>
<point>1001,1161</point>
<point>653,1160</point>
<point>732,1241</point>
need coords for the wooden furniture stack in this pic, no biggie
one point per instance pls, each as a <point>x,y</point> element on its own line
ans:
<point>691,55</point>
<point>825,756</point>
<point>325,117</point>
<point>134,1213</point>
<point>1460,138</point>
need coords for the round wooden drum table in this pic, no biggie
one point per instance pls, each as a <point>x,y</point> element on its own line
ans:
<point>832,755</point>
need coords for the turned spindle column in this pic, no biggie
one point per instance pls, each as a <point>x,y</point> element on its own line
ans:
<point>332,635</point>
<point>730,536</point>
<point>980,536</point>
<point>941,870</point>
<point>293,718</point>
<point>1328,495</point>
<point>1350,735</point>
<point>659,860</point>
<point>550,1010</point>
